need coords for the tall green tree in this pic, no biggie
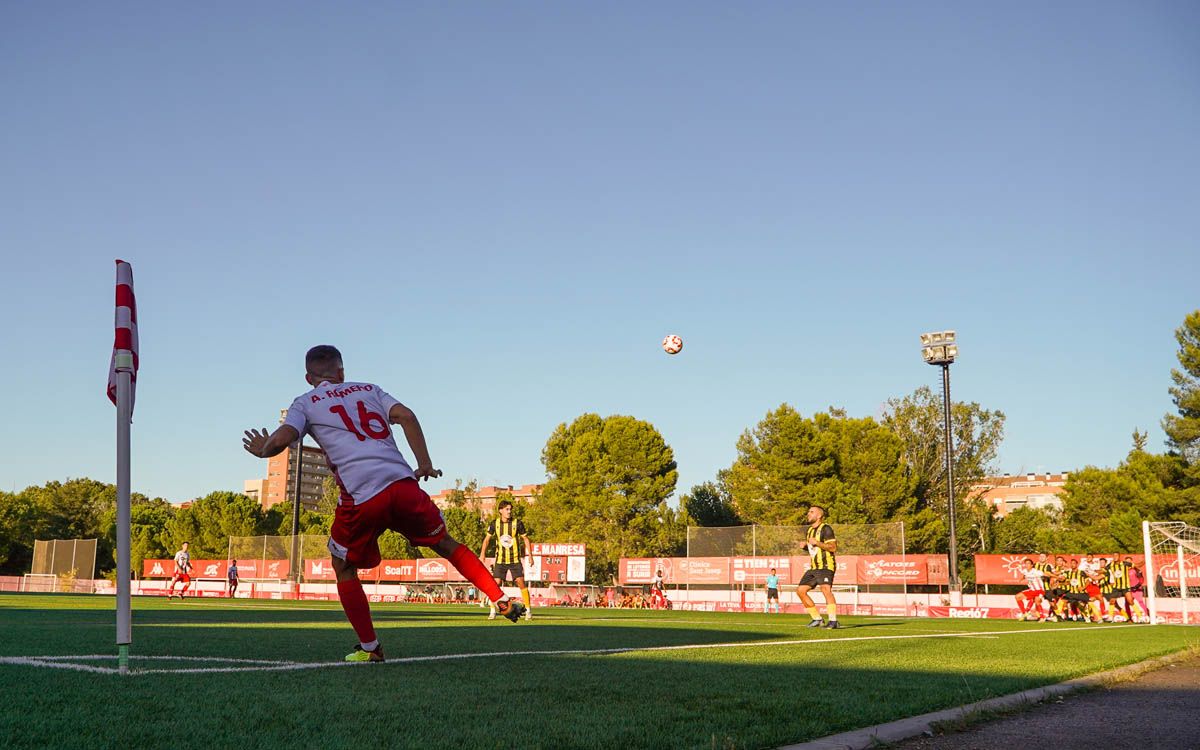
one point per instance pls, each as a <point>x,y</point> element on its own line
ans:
<point>917,420</point>
<point>609,479</point>
<point>851,466</point>
<point>209,522</point>
<point>1183,427</point>
<point>709,504</point>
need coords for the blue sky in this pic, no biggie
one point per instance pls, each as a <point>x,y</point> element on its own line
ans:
<point>497,211</point>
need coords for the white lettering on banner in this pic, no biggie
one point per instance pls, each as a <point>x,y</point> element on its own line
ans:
<point>317,567</point>
<point>397,570</point>
<point>157,570</point>
<point>974,613</point>
<point>273,570</point>
<point>904,568</point>
<point>561,550</point>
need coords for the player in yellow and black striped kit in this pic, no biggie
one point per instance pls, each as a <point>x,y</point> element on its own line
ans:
<point>822,547</point>
<point>509,534</point>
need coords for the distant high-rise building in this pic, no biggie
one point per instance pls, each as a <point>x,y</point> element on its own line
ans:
<point>279,486</point>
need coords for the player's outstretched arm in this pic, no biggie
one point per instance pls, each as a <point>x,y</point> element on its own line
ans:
<point>487,538</point>
<point>404,416</point>
<point>259,444</point>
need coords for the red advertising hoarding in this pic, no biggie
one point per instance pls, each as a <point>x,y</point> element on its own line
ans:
<point>896,570</point>
<point>755,570</point>
<point>436,569</point>
<point>638,570</point>
<point>702,570</point>
<point>218,569</point>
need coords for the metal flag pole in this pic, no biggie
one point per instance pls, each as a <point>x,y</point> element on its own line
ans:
<point>124,361</point>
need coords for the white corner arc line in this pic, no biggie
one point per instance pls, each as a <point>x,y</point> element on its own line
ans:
<point>252,665</point>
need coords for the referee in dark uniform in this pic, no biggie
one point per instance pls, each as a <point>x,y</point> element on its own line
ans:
<point>508,534</point>
<point>822,546</point>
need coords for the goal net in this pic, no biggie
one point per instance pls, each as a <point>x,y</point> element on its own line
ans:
<point>1172,550</point>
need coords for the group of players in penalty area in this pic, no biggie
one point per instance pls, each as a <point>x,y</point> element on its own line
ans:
<point>1092,589</point>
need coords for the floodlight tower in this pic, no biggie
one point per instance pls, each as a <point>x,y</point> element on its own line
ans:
<point>939,348</point>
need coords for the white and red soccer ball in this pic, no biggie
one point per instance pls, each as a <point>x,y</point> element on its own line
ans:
<point>672,344</point>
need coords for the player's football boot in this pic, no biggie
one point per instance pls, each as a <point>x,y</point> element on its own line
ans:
<point>833,625</point>
<point>358,654</point>
<point>510,609</point>
<point>815,624</point>
<point>528,615</point>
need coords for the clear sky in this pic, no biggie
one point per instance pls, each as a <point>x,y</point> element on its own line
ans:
<point>497,211</point>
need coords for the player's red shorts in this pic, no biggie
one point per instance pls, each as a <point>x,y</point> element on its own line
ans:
<point>402,507</point>
<point>182,577</point>
<point>1032,594</point>
<point>1093,591</point>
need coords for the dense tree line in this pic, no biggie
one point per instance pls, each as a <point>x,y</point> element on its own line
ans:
<point>609,480</point>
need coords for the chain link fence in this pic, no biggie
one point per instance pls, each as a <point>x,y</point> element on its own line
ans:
<point>773,541</point>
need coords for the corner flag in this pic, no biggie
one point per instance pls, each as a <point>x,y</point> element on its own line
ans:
<point>126,339</point>
<point>122,373</point>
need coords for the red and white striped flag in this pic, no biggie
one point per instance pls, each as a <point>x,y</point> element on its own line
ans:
<point>126,336</point>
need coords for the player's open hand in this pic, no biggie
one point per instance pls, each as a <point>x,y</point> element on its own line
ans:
<point>427,472</point>
<point>255,441</point>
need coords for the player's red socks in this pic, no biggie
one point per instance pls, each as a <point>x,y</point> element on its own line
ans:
<point>358,611</point>
<point>468,563</point>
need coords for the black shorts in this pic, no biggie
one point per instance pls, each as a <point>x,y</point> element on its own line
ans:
<point>1078,597</point>
<point>1116,594</point>
<point>813,578</point>
<point>501,571</point>
<point>1054,594</point>
<point>772,594</point>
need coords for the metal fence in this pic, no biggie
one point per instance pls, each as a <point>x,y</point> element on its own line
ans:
<point>757,541</point>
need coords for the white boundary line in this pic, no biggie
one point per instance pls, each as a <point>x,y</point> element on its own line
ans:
<point>262,665</point>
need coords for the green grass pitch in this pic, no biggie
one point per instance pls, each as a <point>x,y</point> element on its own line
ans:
<point>568,679</point>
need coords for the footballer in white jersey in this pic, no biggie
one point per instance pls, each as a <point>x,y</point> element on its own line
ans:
<point>1029,601</point>
<point>183,571</point>
<point>351,421</point>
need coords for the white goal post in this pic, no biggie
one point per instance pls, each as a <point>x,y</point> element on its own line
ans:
<point>1172,549</point>
<point>44,582</point>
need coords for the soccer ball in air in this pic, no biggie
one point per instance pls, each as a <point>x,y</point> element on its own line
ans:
<point>672,344</point>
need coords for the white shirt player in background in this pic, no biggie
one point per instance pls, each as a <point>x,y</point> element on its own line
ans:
<point>351,421</point>
<point>183,571</point>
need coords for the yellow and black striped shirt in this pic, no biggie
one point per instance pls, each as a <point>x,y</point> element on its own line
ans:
<point>821,559</point>
<point>507,534</point>
<point>1119,573</point>
<point>1075,581</point>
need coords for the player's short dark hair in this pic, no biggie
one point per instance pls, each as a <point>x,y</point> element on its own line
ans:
<point>323,359</point>
<point>504,504</point>
<point>820,508</point>
<point>1028,560</point>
